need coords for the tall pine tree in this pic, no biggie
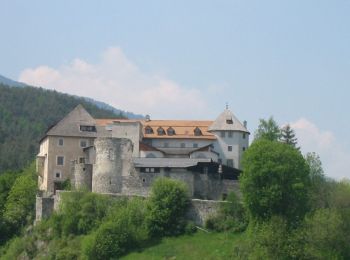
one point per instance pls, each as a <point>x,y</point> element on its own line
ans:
<point>288,136</point>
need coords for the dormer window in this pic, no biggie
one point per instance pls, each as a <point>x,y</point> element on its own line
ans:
<point>148,130</point>
<point>170,131</point>
<point>229,121</point>
<point>87,128</point>
<point>197,132</point>
<point>160,131</point>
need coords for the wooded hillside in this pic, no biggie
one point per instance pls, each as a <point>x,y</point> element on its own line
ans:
<point>25,115</point>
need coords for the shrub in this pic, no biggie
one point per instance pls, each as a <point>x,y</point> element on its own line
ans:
<point>82,212</point>
<point>20,204</point>
<point>123,231</point>
<point>166,208</point>
<point>231,216</point>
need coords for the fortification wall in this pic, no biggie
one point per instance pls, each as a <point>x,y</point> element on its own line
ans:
<point>198,211</point>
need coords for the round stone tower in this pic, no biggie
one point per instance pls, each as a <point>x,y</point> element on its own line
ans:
<point>113,159</point>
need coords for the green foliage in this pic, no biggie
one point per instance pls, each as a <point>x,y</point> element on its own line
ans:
<point>25,115</point>
<point>275,181</point>
<point>124,231</point>
<point>268,129</point>
<point>320,188</point>
<point>81,212</point>
<point>231,216</point>
<point>288,136</point>
<point>6,181</point>
<point>166,207</point>
<point>326,235</point>
<point>20,204</point>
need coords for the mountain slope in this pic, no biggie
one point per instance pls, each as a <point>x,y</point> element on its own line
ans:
<point>10,82</point>
<point>13,83</point>
<point>25,115</point>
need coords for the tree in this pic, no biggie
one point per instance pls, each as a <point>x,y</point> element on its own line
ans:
<point>288,136</point>
<point>20,204</point>
<point>268,129</point>
<point>320,187</point>
<point>275,181</point>
<point>167,207</point>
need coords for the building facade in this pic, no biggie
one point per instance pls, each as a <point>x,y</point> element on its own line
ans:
<point>125,156</point>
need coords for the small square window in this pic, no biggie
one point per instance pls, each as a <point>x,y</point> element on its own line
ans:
<point>222,134</point>
<point>243,149</point>
<point>81,160</point>
<point>83,143</point>
<point>60,142</point>
<point>60,160</point>
<point>152,169</point>
<point>230,134</point>
<point>58,175</point>
<point>147,170</point>
<point>229,148</point>
<point>230,162</point>
<point>195,145</point>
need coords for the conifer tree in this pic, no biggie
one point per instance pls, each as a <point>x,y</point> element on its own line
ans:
<point>288,136</point>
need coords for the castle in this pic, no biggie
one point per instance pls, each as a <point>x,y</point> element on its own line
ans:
<point>124,156</point>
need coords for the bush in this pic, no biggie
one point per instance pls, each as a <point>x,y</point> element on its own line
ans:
<point>123,231</point>
<point>231,216</point>
<point>20,204</point>
<point>82,212</point>
<point>166,207</point>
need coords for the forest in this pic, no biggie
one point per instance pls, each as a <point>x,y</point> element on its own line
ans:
<point>25,115</point>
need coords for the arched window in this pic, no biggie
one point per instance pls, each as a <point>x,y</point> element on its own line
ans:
<point>197,132</point>
<point>160,131</point>
<point>148,130</point>
<point>170,131</point>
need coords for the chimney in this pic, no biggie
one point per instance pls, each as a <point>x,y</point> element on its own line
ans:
<point>148,118</point>
<point>245,123</point>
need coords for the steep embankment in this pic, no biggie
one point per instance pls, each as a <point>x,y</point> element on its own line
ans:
<point>25,115</point>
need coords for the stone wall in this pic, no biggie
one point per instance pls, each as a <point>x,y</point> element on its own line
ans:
<point>44,207</point>
<point>198,211</point>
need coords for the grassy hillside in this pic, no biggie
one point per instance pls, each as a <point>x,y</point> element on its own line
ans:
<point>25,115</point>
<point>197,246</point>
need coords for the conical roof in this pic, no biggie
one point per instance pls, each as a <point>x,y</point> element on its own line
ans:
<point>227,121</point>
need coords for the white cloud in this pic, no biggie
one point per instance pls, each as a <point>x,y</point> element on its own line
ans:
<point>119,82</point>
<point>333,155</point>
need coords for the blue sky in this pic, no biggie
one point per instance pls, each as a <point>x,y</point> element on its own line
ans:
<point>186,59</point>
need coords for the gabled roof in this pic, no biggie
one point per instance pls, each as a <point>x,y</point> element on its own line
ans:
<point>227,121</point>
<point>70,124</point>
